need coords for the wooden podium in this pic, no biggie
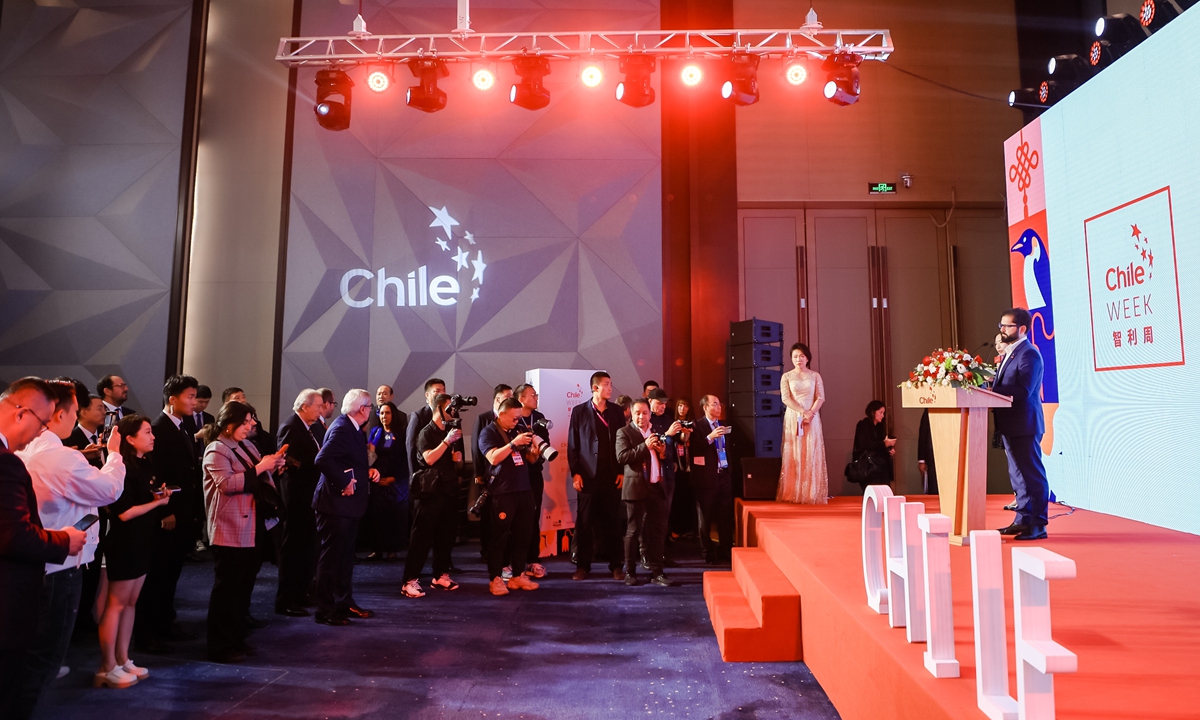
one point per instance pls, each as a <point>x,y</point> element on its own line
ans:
<point>958,424</point>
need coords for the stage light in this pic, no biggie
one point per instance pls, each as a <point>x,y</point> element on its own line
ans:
<point>483,79</point>
<point>1025,97</point>
<point>1123,32</point>
<point>1100,55</point>
<point>1049,92</point>
<point>333,99</point>
<point>426,96</point>
<point>742,85</point>
<point>796,73</point>
<point>842,86</point>
<point>592,76</point>
<point>1069,71</point>
<point>691,75</point>
<point>529,93</point>
<point>378,80</point>
<point>635,90</point>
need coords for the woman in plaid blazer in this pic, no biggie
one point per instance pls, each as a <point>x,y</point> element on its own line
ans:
<point>233,470</point>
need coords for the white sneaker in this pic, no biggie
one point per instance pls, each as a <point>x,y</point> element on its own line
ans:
<point>116,678</point>
<point>412,589</point>
<point>62,672</point>
<point>497,587</point>
<point>444,583</point>
<point>536,571</point>
<point>506,573</point>
<point>140,673</point>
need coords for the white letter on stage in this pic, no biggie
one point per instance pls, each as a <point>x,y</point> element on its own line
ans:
<point>1038,656</point>
<point>906,586</point>
<point>991,647</point>
<point>443,284</point>
<point>872,546</point>
<point>939,596</point>
<point>345,287</point>
<point>383,282</point>
<point>421,283</point>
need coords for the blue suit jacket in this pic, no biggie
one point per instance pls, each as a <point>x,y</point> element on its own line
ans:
<point>345,448</point>
<point>1021,377</point>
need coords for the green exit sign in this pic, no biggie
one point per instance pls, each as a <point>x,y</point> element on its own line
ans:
<point>883,188</point>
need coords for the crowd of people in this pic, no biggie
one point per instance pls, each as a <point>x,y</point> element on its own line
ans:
<point>101,507</point>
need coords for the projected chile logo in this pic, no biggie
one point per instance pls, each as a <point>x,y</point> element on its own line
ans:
<point>417,288</point>
<point>1133,285</point>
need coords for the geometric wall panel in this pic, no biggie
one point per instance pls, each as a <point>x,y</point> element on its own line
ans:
<point>91,112</point>
<point>548,223</point>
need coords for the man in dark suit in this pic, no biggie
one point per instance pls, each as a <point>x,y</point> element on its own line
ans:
<point>86,436</point>
<point>712,482</point>
<point>328,408</point>
<point>646,461</point>
<point>664,423</point>
<point>298,556</point>
<point>198,418</point>
<point>340,501</point>
<point>418,419</point>
<point>25,546</point>
<point>1021,426</point>
<point>596,476</point>
<point>176,464</point>
<point>482,467</point>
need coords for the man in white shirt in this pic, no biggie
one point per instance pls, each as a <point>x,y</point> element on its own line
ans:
<point>643,455</point>
<point>67,489</point>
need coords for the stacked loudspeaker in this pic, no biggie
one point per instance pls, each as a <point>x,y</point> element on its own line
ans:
<point>755,408</point>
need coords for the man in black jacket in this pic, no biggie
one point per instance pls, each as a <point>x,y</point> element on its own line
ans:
<point>25,546</point>
<point>712,482</point>
<point>596,477</point>
<point>298,559</point>
<point>176,464</point>
<point>500,393</point>
<point>418,419</point>
<point>340,501</point>
<point>328,409</point>
<point>645,457</point>
<point>529,422</point>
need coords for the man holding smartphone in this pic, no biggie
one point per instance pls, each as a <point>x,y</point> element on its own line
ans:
<point>68,490</point>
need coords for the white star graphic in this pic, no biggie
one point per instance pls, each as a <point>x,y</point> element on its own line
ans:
<point>474,294</point>
<point>462,259</point>
<point>479,268</point>
<point>442,219</point>
<point>470,238</point>
<point>442,244</point>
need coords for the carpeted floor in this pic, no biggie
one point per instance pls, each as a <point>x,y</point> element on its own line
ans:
<point>568,650</point>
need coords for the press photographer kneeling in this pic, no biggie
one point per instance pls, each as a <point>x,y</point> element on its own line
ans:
<point>512,514</point>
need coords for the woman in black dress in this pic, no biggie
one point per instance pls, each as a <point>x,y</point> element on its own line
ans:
<point>871,439</point>
<point>387,511</point>
<point>129,547</point>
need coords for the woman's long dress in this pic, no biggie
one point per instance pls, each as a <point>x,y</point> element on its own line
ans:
<point>804,477</point>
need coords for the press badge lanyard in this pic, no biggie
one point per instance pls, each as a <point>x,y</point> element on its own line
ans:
<point>515,454</point>
<point>722,458</point>
<point>600,414</point>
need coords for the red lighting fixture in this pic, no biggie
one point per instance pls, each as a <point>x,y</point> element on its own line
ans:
<point>483,79</point>
<point>591,76</point>
<point>742,85</point>
<point>841,88</point>
<point>795,72</point>
<point>333,99</point>
<point>426,96</point>
<point>691,75</point>
<point>378,80</point>
<point>529,93</point>
<point>635,90</point>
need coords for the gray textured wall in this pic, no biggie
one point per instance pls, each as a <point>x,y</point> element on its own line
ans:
<point>563,203</point>
<point>91,108</point>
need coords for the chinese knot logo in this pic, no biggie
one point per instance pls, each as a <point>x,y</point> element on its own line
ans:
<point>1021,172</point>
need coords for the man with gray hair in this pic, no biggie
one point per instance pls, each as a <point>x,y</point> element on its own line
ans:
<point>298,556</point>
<point>340,502</point>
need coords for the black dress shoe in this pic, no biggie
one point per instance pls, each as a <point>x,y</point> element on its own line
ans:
<point>291,611</point>
<point>1011,507</point>
<point>662,580</point>
<point>253,623</point>
<point>631,579</point>
<point>1034,533</point>
<point>1014,529</point>
<point>358,612</point>
<point>333,620</point>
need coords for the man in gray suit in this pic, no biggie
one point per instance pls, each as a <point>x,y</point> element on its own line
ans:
<point>643,455</point>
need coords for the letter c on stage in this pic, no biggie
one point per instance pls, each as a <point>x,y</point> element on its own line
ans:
<point>345,287</point>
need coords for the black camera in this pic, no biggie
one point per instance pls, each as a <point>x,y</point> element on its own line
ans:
<point>477,508</point>
<point>454,423</point>
<point>458,402</point>
<point>687,424</point>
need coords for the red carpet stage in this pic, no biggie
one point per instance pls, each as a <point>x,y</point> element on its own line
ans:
<point>1132,614</point>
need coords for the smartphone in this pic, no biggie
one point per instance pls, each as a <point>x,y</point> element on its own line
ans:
<point>110,421</point>
<point>174,488</point>
<point>87,521</point>
<point>282,450</point>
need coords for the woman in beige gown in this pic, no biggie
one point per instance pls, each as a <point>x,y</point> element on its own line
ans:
<point>804,477</point>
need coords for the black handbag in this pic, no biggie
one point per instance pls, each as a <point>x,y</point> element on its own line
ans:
<point>424,482</point>
<point>864,468</point>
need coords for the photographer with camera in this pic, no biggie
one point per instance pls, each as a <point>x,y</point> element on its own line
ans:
<point>418,419</point>
<point>533,421</point>
<point>433,492</point>
<point>500,393</point>
<point>509,453</point>
<point>644,454</point>
<point>679,434</point>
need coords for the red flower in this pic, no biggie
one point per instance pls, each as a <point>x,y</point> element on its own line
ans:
<point>978,360</point>
<point>967,375</point>
<point>912,376</point>
<point>927,360</point>
<point>953,376</point>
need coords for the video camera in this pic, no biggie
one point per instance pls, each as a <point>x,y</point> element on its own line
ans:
<point>457,403</point>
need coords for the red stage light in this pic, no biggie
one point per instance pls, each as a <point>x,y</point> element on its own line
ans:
<point>483,79</point>
<point>592,76</point>
<point>378,81</point>
<point>691,75</point>
<point>796,73</point>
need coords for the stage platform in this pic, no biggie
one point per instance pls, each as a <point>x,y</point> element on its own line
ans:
<point>1132,614</point>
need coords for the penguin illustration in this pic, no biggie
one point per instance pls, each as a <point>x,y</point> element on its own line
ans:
<point>1036,276</point>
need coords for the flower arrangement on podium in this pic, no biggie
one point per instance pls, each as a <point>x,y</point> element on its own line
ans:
<point>950,368</point>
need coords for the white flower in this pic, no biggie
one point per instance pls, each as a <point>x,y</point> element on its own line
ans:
<point>961,368</point>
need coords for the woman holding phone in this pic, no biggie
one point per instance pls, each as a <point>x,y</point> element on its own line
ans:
<point>129,548</point>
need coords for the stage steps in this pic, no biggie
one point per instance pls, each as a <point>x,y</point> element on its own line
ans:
<point>755,610</point>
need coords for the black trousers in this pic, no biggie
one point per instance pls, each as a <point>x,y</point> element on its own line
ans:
<point>714,503</point>
<point>646,528</point>
<point>20,589</point>
<point>335,565</point>
<point>156,603</point>
<point>511,522</point>
<point>229,603</point>
<point>434,527</point>
<point>599,516</point>
<point>683,505</point>
<point>57,605</point>
<point>537,488</point>
<point>298,556</point>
